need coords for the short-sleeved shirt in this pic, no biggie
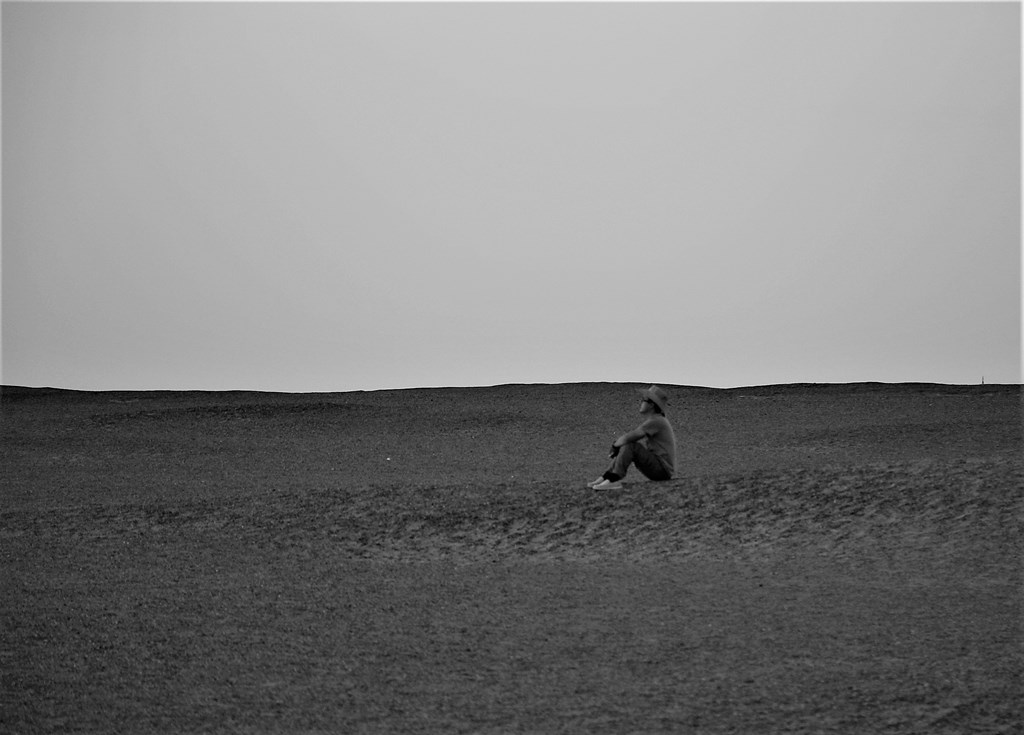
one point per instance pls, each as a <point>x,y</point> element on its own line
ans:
<point>661,440</point>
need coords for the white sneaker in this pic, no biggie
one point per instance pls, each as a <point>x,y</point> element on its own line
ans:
<point>607,485</point>
<point>598,481</point>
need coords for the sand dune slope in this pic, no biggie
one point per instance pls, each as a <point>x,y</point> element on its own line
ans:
<point>830,558</point>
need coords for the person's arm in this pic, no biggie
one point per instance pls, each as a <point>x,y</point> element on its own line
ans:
<point>630,436</point>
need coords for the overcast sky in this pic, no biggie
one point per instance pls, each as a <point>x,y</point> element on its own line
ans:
<point>335,196</point>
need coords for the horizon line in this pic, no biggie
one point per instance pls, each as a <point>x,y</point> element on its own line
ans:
<point>45,388</point>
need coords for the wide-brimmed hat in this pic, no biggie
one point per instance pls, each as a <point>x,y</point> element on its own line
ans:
<point>656,395</point>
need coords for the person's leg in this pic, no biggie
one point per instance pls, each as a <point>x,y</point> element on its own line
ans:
<point>650,464</point>
<point>621,462</point>
<point>643,458</point>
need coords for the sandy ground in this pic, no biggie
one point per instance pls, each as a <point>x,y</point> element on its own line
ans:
<point>829,559</point>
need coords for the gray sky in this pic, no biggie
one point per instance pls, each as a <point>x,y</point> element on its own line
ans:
<point>336,196</point>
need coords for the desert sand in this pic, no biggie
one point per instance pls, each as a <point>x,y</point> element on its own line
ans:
<point>829,558</point>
